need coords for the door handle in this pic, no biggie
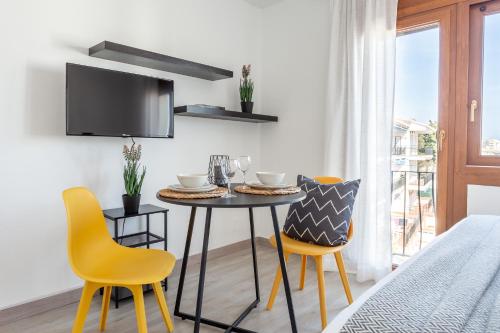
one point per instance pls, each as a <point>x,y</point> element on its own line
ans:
<point>441,137</point>
<point>473,108</point>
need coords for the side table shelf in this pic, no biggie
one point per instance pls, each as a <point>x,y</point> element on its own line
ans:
<point>143,238</point>
<point>139,239</point>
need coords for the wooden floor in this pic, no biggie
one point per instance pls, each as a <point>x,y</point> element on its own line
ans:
<point>228,290</point>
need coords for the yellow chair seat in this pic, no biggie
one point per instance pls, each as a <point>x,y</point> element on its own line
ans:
<point>291,245</point>
<point>126,266</point>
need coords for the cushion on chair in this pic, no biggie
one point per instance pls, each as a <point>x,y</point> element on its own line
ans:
<point>324,216</point>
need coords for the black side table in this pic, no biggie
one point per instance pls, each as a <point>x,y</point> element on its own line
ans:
<point>138,239</point>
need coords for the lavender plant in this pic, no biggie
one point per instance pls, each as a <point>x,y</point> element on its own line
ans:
<point>133,181</point>
<point>246,84</point>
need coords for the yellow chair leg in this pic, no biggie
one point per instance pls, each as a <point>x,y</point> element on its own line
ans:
<point>106,295</point>
<point>276,285</point>
<point>303,273</point>
<point>321,289</point>
<point>343,276</point>
<point>88,291</point>
<point>140,311</point>
<point>160,298</point>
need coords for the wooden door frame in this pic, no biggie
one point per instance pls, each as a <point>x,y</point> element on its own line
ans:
<point>411,7</point>
<point>462,173</point>
<point>475,87</point>
<point>445,17</point>
<point>465,173</point>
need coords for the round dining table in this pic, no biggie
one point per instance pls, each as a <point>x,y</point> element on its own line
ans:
<point>248,201</point>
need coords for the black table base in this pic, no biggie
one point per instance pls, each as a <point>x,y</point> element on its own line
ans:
<point>233,327</point>
<point>241,200</point>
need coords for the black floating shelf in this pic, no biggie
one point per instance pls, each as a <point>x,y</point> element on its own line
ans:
<point>201,111</point>
<point>131,55</point>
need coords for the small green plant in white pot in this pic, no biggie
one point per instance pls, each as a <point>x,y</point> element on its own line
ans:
<point>133,178</point>
<point>246,90</point>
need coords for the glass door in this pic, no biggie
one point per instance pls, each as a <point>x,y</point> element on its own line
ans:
<point>419,152</point>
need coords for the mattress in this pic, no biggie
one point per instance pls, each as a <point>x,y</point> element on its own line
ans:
<point>389,281</point>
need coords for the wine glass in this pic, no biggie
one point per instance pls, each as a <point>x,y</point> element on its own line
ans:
<point>244,164</point>
<point>229,172</point>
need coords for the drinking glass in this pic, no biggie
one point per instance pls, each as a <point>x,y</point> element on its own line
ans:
<point>244,164</point>
<point>229,173</point>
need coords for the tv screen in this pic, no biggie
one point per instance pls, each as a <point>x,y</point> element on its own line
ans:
<point>103,102</point>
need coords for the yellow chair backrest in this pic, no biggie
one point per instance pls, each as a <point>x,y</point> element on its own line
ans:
<point>328,180</point>
<point>334,180</point>
<point>88,237</point>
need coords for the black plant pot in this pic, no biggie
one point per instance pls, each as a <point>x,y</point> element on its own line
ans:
<point>247,107</point>
<point>131,203</point>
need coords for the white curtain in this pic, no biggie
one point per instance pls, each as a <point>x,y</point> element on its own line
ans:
<point>359,124</point>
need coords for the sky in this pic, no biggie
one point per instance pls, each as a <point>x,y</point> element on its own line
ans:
<point>491,78</point>
<point>417,66</point>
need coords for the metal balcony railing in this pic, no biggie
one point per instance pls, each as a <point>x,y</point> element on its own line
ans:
<point>402,182</point>
<point>398,151</point>
<point>411,150</point>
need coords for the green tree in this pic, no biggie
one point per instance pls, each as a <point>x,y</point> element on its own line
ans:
<point>428,141</point>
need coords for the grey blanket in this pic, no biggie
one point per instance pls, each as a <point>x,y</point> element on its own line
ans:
<point>453,287</point>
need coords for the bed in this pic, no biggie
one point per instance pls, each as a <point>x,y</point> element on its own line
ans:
<point>452,285</point>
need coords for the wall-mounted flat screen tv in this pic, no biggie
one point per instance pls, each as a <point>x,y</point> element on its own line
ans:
<point>103,102</point>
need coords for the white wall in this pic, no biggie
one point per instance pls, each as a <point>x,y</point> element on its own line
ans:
<point>295,65</point>
<point>483,199</point>
<point>286,43</point>
<point>38,161</point>
<point>296,43</point>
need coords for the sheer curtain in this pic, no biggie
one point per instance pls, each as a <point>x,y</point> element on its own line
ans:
<point>360,100</point>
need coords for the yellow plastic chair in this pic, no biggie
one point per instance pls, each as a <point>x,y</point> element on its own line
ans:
<point>292,246</point>
<point>96,258</point>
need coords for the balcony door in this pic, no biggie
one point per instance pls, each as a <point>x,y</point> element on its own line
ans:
<point>421,133</point>
<point>484,82</point>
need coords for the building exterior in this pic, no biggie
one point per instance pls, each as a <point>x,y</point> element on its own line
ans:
<point>491,147</point>
<point>413,175</point>
<point>406,153</point>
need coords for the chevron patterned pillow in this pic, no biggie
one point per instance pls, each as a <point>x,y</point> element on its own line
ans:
<point>323,217</point>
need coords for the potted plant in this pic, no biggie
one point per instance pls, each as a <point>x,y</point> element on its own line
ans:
<point>246,90</point>
<point>133,180</point>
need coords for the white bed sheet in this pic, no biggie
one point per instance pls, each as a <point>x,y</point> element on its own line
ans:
<point>336,324</point>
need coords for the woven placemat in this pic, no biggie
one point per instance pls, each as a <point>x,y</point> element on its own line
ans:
<point>168,193</point>
<point>281,191</point>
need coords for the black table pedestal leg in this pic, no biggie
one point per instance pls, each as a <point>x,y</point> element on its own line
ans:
<point>117,290</point>
<point>165,242</point>
<point>203,267</point>
<point>197,318</point>
<point>184,262</point>
<point>286,284</point>
<point>254,255</point>
<point>147,233</point>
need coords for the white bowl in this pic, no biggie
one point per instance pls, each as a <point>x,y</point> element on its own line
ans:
<point>192,180</point>
<point>271,178</point>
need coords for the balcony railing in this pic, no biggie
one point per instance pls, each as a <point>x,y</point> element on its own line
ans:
<point>411,150</point>
<point>413,186</point>
<point>405,150</point>
<point>398,151</point>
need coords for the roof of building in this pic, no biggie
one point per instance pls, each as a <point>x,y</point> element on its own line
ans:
<point>413,126</point>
